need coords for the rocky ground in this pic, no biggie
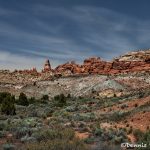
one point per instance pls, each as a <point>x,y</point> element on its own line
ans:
<point>98,103</point>
<point>89,85</point>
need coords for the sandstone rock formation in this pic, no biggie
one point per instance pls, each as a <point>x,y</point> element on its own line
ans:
<point>93,65</point>
<point>68,68</point>
<point>141,55</point>
<point>130,62</point>
<point>47,66</point>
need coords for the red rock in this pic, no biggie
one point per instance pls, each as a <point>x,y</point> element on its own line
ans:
<point>47,66</point>
<point>131,62</point>
<point>108,66</point>
<point>95,65</point>
<point>120,65</point>
<point>69,68</point>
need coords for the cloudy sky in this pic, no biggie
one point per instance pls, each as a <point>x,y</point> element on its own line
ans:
<point>63,30</point>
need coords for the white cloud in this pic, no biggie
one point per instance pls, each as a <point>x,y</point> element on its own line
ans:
<point>11,61</point>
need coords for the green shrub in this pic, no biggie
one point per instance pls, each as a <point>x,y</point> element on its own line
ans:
<point>89,140</point>
<point>2,134</point>
<point>98,131</point>
<point>141,94</point>
<point>84,117</point>
<point>8,147</point>
<point>45,98</point>
<point>3,95</point>
<point>72,108</point>
<point>23,100</point>
<point>117,116</point>
<point>123,106</point>
<point>2,125</point>
<point>32,100</point>
<point>60,100</point>
<point>27,139</point>
<point>117,139</point>
<point>56,139</point>
<point>142,137</point>
<point>138,134</point>
<point>8,104</point>
<point>52,134</point>
<point>115,136</point>
<point>21,131</point>
<point>69,95</point>
<point>58,144</point>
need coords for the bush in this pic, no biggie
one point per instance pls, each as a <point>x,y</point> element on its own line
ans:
<point>8,104</point>
<point>21,131</point>
<point>60,100</point>
<point>58,144</point>
<point>45,98</point>
<point>32,100</point>
<point>141,94</point>
<point>138,133</point>
<point>117,139</point>
<point>124,106</point>
<point>115,136</point>
<point>98,131</point>
<point>71,108</point>
<point>52,134</point>
<point>27,139</point>
<point>117,116</point>
<point>89,140</point>
<point>84,117</point>
<point>8,147</point>
<point>69,95</point>
<point>56,139</point>
<point>3,95</point>
<point>143,138</point>
<point>2,134</point>
<point>23,100</point>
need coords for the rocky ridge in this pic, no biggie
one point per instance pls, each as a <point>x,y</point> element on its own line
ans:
<point>132,62</point>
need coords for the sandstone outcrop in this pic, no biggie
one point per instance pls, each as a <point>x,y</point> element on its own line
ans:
<point>47,66</point>
<point>140,56</point>
<point>93,65</point>
<point>130,62</point>
<point>68,68</point>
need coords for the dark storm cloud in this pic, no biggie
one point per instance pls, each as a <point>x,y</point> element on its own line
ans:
<point>34,30</point>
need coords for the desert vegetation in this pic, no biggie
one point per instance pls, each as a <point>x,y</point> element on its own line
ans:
<point>70,123</point>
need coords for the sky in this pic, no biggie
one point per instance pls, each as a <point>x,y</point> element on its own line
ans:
<point>32,31</point>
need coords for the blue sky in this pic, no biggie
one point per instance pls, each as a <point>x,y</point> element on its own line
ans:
<point>63,30</point>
